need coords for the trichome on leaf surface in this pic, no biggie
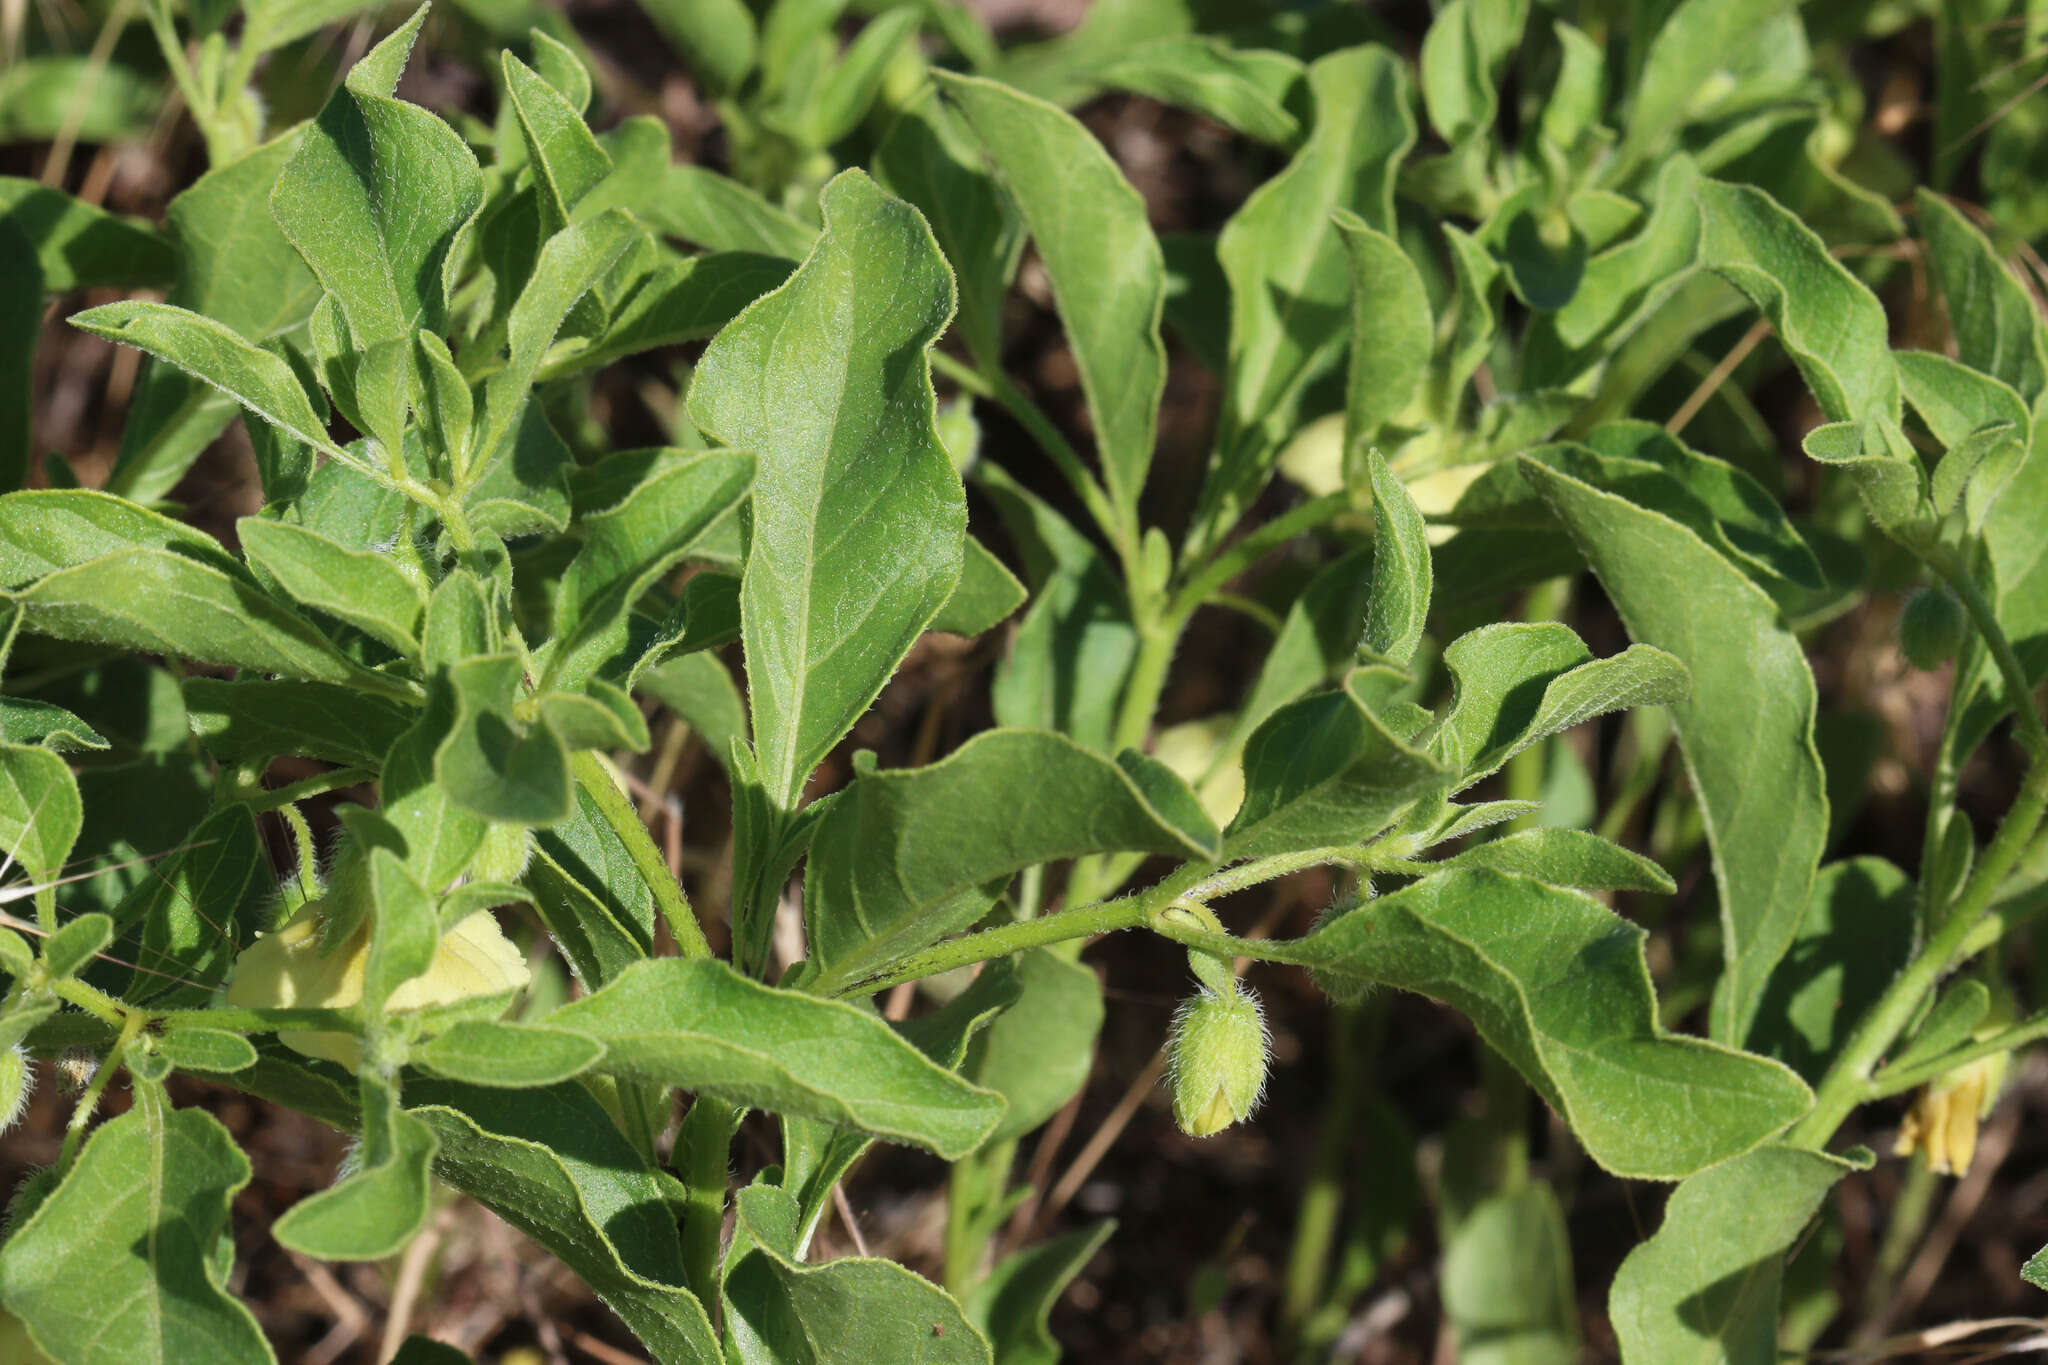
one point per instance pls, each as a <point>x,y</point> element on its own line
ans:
<point>585,484</point>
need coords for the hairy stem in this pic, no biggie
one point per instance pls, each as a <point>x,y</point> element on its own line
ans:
<point>618,812</point>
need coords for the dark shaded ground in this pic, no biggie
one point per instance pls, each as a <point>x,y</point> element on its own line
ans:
<point>1194,1273</point>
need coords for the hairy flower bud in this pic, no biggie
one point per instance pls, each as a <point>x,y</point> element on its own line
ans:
<point>1216,1060</point>
<point>1932,628</point>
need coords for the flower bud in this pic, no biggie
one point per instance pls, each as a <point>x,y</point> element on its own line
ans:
<point>1942,1124</point>
<point>1216,1060</point>
<point>1932,628</point>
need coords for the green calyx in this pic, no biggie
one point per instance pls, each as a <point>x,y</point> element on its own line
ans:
<point>1216,1060</point>
<point>1932,628</point>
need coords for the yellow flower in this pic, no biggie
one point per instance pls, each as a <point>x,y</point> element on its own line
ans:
<point>1942,1124</point>
<point>288,970</point>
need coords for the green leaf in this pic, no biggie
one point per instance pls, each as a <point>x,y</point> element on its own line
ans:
<point>987,593</point>
<point>1245,89</point>
<point>82,246</point>
<point>716,38</point>
<point>1392,332</point>
<point>1289,267</point>
<point>1517,683</point>
<point>367,590</point>
<point>257,379</point>
<point>162,602</point>
<point>524,491</point>
<point>1855,937</point>
<point>1695,46</point>
<point>717,213</point>
<point>1397,608</point>
<point>117,1265</point>
<point>1948,1025</point>
<point>1013,1303</point>
<point>703,1027</point>
<point>1108,277</point>
<point>1703,1290</point>
<point>1567,857</point>
<point>930,159</point>
<point>834,107</point>
<point>699,688</point>
<point>43,530</point>
<point>592,898</point>
<point>776,1306</point>
<point>628,545</point>
<point>419,1350</point>
<point>1746,730</point>
<point>1327,770</point>
<point>40,811</point>
<point>251,720</point>
<point>551,1163</point>
<point>567,162</point>
<point>676,299</point>
<point>440,834</point>
<point>271,24</point>
<point>1507,1281</point>
<point>375,197</point>
<point>25,721</point>
<point>198,906</point>
<point>904,858</point>
<point>496,761</point>
<point>67,951</point>
<point>208,1050</point>
<point>857,515</point>
<point>511,1056</point>
<point>572,263</point>
<point>374,1210</point>
<point>1038,1053</point>
<point>1996,323</point>
<point>1559,986</point>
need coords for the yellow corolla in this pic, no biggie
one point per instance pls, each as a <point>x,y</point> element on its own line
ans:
<point>288,970</point>
<point>1942,1124</point>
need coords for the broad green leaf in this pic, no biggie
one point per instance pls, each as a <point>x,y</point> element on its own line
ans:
<point>1856,936</point>
<point>628,545</point>
<point>1108,277</point>
<point>1289,268</point>
<point>497,762</point>
<point>1013,1303</point>
<point>235,267</point>
<point>1996,322</point>
<point>366,590</point>
<point>375,1209</point>
<point>257,379</point>
<point>1559,986</point>
<point>1746,730</point>
<point>857,515</point>
<point>1392,331</point>
<point>677,299</point>
<point>25,721</point>
<point>777,1306</point>
<point>834,107</point>
<point>699,688</point>
<point>1327,770</point>
<point>1317,641</point>
<point>904,858</point>
<point>1507,1282</point>
<point>717,213</point>
<point>703,1027</point>
<point>1245,89</point>
<point>43,530</point>
<point>930,159</point>
<point>40,811</point>
<point>1984,427</point>
<point>1038,1053</point>
<point>511,1056</point>
<point>271,24</point>
<point>375,197</point>
<point>1075,645</point>
<point>1517,683</point>
<point>1691,49</point>
<point>117,1266</point>
<point>67,951</point>
<point>1703,1290</point>
<point>567,162</point>
<point>251,720</point>
<point>987,593</point>
<point>570,265</point>
<point>1397,607</point>
<point>1948,1025</point>
<point>524,491</point>
<point>81,246</point>
<point>1567,857</point>
<point>162,602</point>
<point>440,834</point>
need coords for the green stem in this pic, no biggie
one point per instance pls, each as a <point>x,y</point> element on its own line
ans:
<point>1322,1201</point>
<point>1846,1082</point>
<point>96,1003</point>
<point>703,1156</point>
<point>283,798</point>
<point>2019,692</point>
<point>618,812</point>
<point>1898,1080</point>
<point>81,1114</point>
<point>1235,558</point>
<point>1156,642</point>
